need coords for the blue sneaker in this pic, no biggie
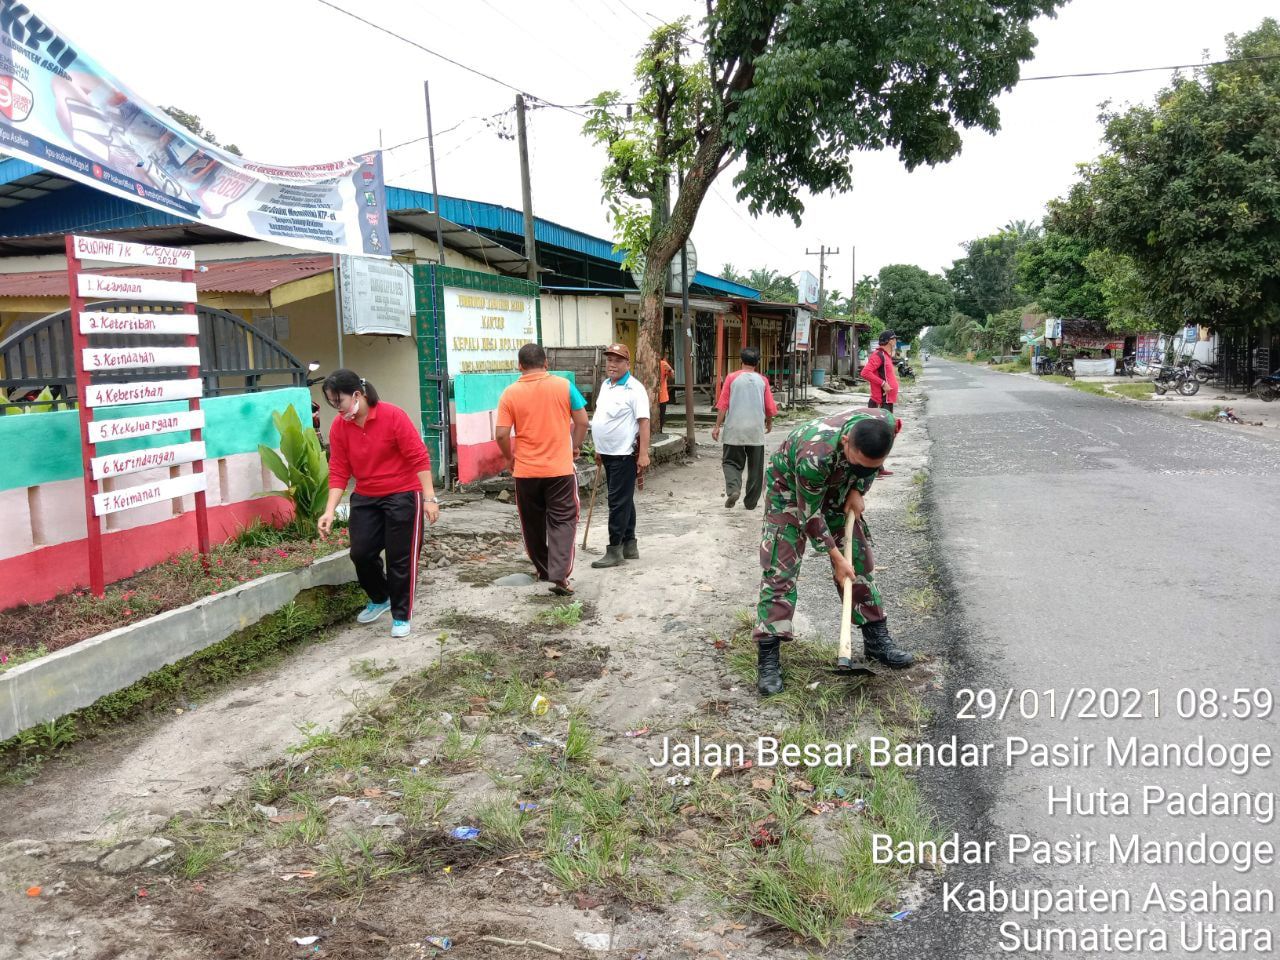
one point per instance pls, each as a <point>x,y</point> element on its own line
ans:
<point>373,611</point>
<point>400,628</point>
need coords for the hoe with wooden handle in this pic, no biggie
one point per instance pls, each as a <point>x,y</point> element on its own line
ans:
<point>845,667</point>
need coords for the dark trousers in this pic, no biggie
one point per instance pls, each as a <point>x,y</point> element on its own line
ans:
<point>620,472</point>
<point>873,404</point>
<point>662,415</point>
<point>549,521</point>
<point>735,459</point>
<point>390,525</point>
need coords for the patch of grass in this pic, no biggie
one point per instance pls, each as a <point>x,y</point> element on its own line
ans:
<point>917,522</point>
<point>502,825</point>
<point>1210,415</point>
<point>1097,389</point>
<point>579,742</point>
<point>367,669</point>
<point>564,615</point>
<point>922,601</point>
<point>355,861</point>
<point>1057,378</point>
<point>1134,391</point>
<point>198,859</point>
<point>920,478</point>
<point>1018,366</point>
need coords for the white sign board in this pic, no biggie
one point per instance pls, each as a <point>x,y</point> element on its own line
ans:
<point>135,461</point>
<point>377,297</point>
<point>140,496</point>
<point>146,391</point>
<point>127,428</point>
<point>143,254</point>
<point>487,330</point>
<point>133,358</point>
<point>1052,328</point>
<point>99,321</point>
<point>807,286</point>
<point>801,339</point>
<point>94,286</point>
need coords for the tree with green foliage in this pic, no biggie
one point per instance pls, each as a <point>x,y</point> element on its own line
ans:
<point>788,92</point>
<point>1051,269</point>
<point>1187,191</point>
<point>196,126</point>
<point>985,279</point>
<point>910,299</point>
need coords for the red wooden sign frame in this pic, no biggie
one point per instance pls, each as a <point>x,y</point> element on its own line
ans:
<point>80,342</point>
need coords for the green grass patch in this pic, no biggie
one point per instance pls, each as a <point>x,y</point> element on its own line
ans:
<point>564,615</point>
<point>1210,415</point>
<point>1084,386</point>
<point>1134,391</point>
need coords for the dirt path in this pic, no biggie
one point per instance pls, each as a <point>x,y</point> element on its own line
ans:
<point>645,656</point>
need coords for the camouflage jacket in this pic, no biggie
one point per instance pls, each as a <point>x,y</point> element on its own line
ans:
<point>809,476</point>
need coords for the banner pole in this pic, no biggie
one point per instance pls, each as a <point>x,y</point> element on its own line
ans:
<point>202,510</point>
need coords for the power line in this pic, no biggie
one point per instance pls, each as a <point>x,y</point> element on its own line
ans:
<point>446,59</point>
<point>1176,66</point>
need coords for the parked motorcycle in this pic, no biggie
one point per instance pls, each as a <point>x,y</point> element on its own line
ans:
<point>1203,372</point>
<point>904,368</point>
<point>1168,377</point>
<point>1268,388</point>
<point>1129,365</point>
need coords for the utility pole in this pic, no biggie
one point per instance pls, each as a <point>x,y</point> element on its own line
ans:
<point>435,193</point>
<point>526,191</point>
<point>690,440</point>
<point>853,315</point>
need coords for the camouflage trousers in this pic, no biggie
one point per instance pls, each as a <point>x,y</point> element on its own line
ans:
<point>781,551</point>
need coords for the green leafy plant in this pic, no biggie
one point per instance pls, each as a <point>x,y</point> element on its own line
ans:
<point>303,468</point>
<point>43,403</point>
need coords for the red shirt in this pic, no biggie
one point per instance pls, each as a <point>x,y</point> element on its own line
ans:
<point>385,455</point>
<point>882,375</point>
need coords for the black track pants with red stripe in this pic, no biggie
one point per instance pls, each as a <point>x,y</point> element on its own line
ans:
<point>390,525</point>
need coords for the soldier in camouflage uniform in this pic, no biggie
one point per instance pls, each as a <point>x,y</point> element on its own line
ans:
<point>822,469</point>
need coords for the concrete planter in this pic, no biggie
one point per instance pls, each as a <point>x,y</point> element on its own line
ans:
<point>76,676</point>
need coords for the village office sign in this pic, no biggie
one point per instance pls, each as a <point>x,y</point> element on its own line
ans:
<point>486,330</point>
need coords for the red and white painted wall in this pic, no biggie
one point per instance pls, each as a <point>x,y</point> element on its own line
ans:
<point>43,550</point>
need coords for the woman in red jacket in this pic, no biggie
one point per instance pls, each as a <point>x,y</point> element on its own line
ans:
<point>377,443</point>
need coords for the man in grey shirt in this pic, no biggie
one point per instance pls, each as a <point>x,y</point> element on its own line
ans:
<point>746,414</point>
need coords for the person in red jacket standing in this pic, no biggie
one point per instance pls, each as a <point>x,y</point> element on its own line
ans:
<point>376,442</point>
<point>880,372</point>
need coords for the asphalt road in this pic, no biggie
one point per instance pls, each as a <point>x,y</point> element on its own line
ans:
<point>1093,544</point>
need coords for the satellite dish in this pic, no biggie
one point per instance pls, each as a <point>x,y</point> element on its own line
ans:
<point>691,255</point>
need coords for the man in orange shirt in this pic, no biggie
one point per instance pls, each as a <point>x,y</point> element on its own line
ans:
<point>549,419</point>
<point>665,374</point>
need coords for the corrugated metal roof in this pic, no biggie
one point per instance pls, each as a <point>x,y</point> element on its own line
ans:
<point>240,276</point>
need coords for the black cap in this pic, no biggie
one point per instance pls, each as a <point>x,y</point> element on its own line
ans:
<point>887,336</point>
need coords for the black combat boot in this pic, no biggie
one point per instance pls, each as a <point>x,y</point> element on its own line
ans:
<point>630,550</point>
<point>878,645</point>
<point>768,667</point>
<point>612,557</point>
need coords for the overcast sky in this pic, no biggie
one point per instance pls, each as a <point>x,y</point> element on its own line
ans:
<point>294,81</point>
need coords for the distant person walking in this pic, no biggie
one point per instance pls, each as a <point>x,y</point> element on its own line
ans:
<point>548,417</point>
<point>747,409</point>
<point>881,373</point>
<point>620,431</point>
<point>376,442</point>
<point>666,376</point>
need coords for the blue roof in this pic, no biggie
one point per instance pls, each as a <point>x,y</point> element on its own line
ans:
<point>80,207</point>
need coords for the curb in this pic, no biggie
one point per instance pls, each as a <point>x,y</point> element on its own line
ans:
<point>75,677</point>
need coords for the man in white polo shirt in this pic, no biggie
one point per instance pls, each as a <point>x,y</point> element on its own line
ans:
<point>620,432</point>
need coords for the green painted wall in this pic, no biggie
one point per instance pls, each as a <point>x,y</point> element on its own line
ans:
<point>478,392</point>
<point>38,448</point>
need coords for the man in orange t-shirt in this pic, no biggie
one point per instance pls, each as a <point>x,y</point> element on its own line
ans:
<point>549,420</point>
<point>665,374</point>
